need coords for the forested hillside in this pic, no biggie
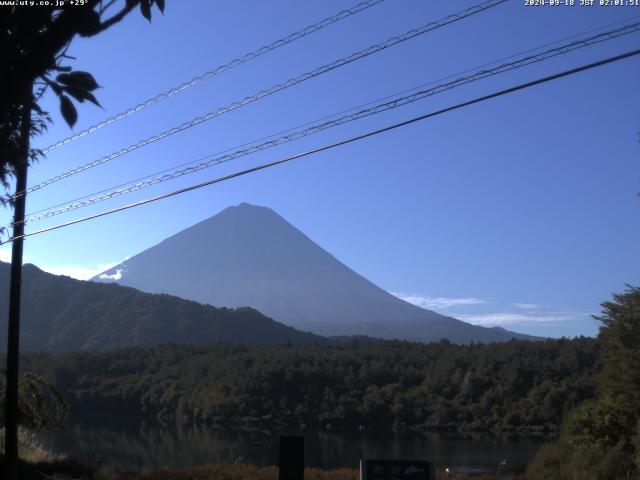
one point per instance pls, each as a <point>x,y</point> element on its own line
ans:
<point>60,313</point>
<point>515,385</point>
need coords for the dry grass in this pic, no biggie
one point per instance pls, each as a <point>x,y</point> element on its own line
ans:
<point>252,472</point>
<point>67,470</point>
<point>224,472</point>
<point>31,449</point>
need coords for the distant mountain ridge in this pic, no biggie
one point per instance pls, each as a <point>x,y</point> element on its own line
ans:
<point>60,314</point>
<point>250,256</point>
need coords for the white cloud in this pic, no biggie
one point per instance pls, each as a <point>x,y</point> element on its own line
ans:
<point>495,319</point>
<point>113,276</point>
<point>77,271</point>
<point>5,255</point>
<point>512,313</point>
<point>438,302</point>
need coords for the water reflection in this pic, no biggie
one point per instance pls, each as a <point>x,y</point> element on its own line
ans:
<point>171,447</point>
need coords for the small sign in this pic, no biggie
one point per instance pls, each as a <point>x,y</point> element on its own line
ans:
<point>396,470</point>
<point>291,465</point>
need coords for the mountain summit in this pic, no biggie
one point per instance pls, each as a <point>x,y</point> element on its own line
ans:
<point>250,256</point>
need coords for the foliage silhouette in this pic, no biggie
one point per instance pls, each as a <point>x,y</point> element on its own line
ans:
<point>601,438</point>
<point>41,405</point>
<point>33,46</point>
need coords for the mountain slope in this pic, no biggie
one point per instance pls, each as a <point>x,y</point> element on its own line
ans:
<point>248,255</point>
<point>60,313</point>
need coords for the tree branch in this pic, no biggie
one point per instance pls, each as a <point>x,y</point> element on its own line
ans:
<point>116,18</point>
<point>106,7</point>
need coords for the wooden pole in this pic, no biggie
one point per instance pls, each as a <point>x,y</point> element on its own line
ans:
<point>13,335</point>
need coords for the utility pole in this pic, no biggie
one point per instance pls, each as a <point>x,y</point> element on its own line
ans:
<point>13,335</point>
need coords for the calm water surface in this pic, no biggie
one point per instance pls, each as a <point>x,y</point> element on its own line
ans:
<point>170,447</point>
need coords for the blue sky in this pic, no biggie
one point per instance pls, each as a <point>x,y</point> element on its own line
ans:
<point>519,212</point>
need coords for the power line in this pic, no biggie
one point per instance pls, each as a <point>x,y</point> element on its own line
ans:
<point>263,166</point>
<point>207,162</point>
<point>387,97</point>
<point>274,89</point>
<point>218,70</point>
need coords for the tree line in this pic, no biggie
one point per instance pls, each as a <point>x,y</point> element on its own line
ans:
<point>586,388</point>
<point>600,439</point>
<point>519,385</point>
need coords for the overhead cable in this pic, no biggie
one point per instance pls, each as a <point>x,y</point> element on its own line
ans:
<point>207,162</point>
<point>218,70</point>
<point>395,126</point>
<point>326,117</point>
<point>272,90</point>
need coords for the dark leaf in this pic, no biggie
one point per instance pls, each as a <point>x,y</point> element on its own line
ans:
<point>89,23</point>
<point>68,111</point>
<point>89,96</point>
<point>145,8</point>
<point>160,4</point>
<point>37,108</point>
<point>79,79</point>
<point>82,95</point>
<point>76,93</point>
<point>56,88</point>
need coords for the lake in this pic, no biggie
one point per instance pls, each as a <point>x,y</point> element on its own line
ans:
<point>183,447</point>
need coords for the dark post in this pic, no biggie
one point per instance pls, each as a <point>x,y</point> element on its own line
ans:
<point>291,458</point>
<point>13,335</point>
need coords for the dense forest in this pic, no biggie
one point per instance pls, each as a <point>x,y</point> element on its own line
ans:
<point>517,385</point>
<point>587,388</point>
<point>600,439</point>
